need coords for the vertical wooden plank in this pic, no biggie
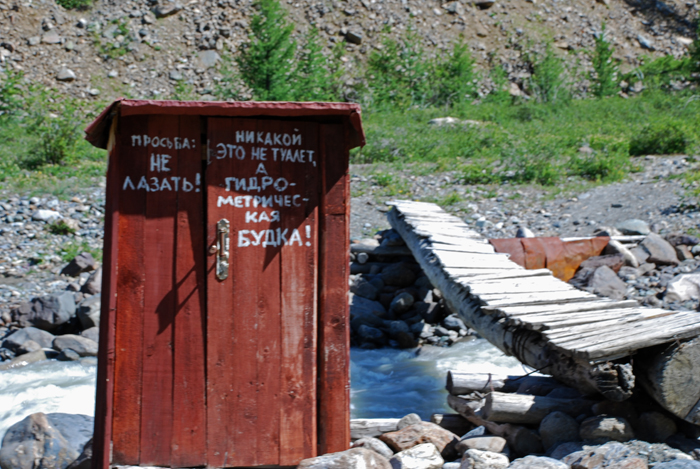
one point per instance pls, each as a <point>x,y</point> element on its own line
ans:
<point>105,365</point>
<point>189,412</point>
<point>299,281</point>
<point>159,298</point>
<point>334,338</point>
<point>133,160</point>
<point>223,337</point>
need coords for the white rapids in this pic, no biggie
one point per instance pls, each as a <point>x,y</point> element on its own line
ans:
<point>384,382</point>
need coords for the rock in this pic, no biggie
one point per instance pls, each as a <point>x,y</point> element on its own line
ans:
<point>354,458</point>
<point>423,432</point>
<point>537,462</point>
<point>493,444</point>
<point>401,303</point>
<point>398,275</point>
<point>363,317</point>
<point>640,254</point>
<point>679,464</point>
<point>684,287</point>
<point>604,281</point>
<point>44,441</point>
<point>362,257</point>
<point>51,37</point>
<point>423,456</point>
<point>683,253</point>
<point>83,262</point>
<point>34,41</point>
<point>524,441</point>
<point>410,419</point>
<point>614,261</point>
<point>610,455</point>
<point>79,344</point>
<point>68,355</point>
<point>15,340</point>
<point>47,312</point>
<point>475,459</point>
<point>523,231</point>
<point>175,75</point>
<point>65,74</point>
<point>359,305</point>
<point>566,449</point>
<point>371,334</point>
<point>557,428</point>
<point>602,427</point>
<point>454,323</point>
<point>354,37</point>
<point>633,226</point>
<point>23,360</point>
<point>374,444</point>
<point>88,312</point>
<point>616,247</point>
<point>28,347</point>
<point>655,427</point>
<point>454,8</point>
<point>484,4</point>
<point>161,11</point>
<point>645,43</point>
<point>93,334</point>
<point>677,239</point>
<point>208,58</point>
<point>430,312</point>
<point>84,461</point>
<point>660,251</point>
<point>48,216</point>
<point>93,284</point>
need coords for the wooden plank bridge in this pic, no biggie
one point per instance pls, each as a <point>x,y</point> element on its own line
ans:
<point>582,339</point>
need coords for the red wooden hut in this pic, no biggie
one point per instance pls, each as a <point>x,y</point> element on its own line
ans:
<point>224,339</point>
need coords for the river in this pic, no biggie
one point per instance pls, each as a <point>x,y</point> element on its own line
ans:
<point>384,382</point>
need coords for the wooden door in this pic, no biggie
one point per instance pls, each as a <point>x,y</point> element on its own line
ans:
<point>262,177</point>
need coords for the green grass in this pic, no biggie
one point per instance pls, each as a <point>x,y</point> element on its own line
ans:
<point>529,142</point>
<point>70,250</point>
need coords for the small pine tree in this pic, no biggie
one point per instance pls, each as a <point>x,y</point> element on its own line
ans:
<point>548,79</point>
<point>605,67</point>
<point>313,78</point>
<point>265,63</point>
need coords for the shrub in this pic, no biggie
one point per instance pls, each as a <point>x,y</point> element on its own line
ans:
<point>75,4</point>
<point>10,92</point>
<point>453,76</point>
<point>60,228</point>
<point>478,173</point>
<point>605,67</point>
<point>58,133</point>
<point>266,62</point>
<point>658,72</point>
<point>659,139</point>
<point>548,81</point>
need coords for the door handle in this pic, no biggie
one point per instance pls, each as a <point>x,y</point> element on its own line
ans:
<point>222,255</point>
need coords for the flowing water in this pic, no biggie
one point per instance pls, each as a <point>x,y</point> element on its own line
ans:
<point>384,383</point>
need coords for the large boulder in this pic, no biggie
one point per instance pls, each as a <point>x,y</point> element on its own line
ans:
<point>354,458</point>
<point>423,456</point>
<point>46,312</point>
<point>603,427</point>
<point>537,462</point>
<point>88,312</point>
<point>398,275</point>
<point>83,262</point>
<point>609,455</point>
<point>15,340</point>
<point>79,344</point>
<point>375,444</point>
<point>45,441</point>
<point>423,432</point>
<point>557,428</point>
<point>476,459</point>
<point>359,305</point>
<point>93,284</point>
<point>684,287</point>
<point>660,251</point>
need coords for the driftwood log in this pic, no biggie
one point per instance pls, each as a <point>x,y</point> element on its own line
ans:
<point>525,409</point>
<point>459,384</point>
<point>366,428</point>
<point>671,375</point>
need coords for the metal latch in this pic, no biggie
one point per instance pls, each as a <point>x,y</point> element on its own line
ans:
<point>222,257</point>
